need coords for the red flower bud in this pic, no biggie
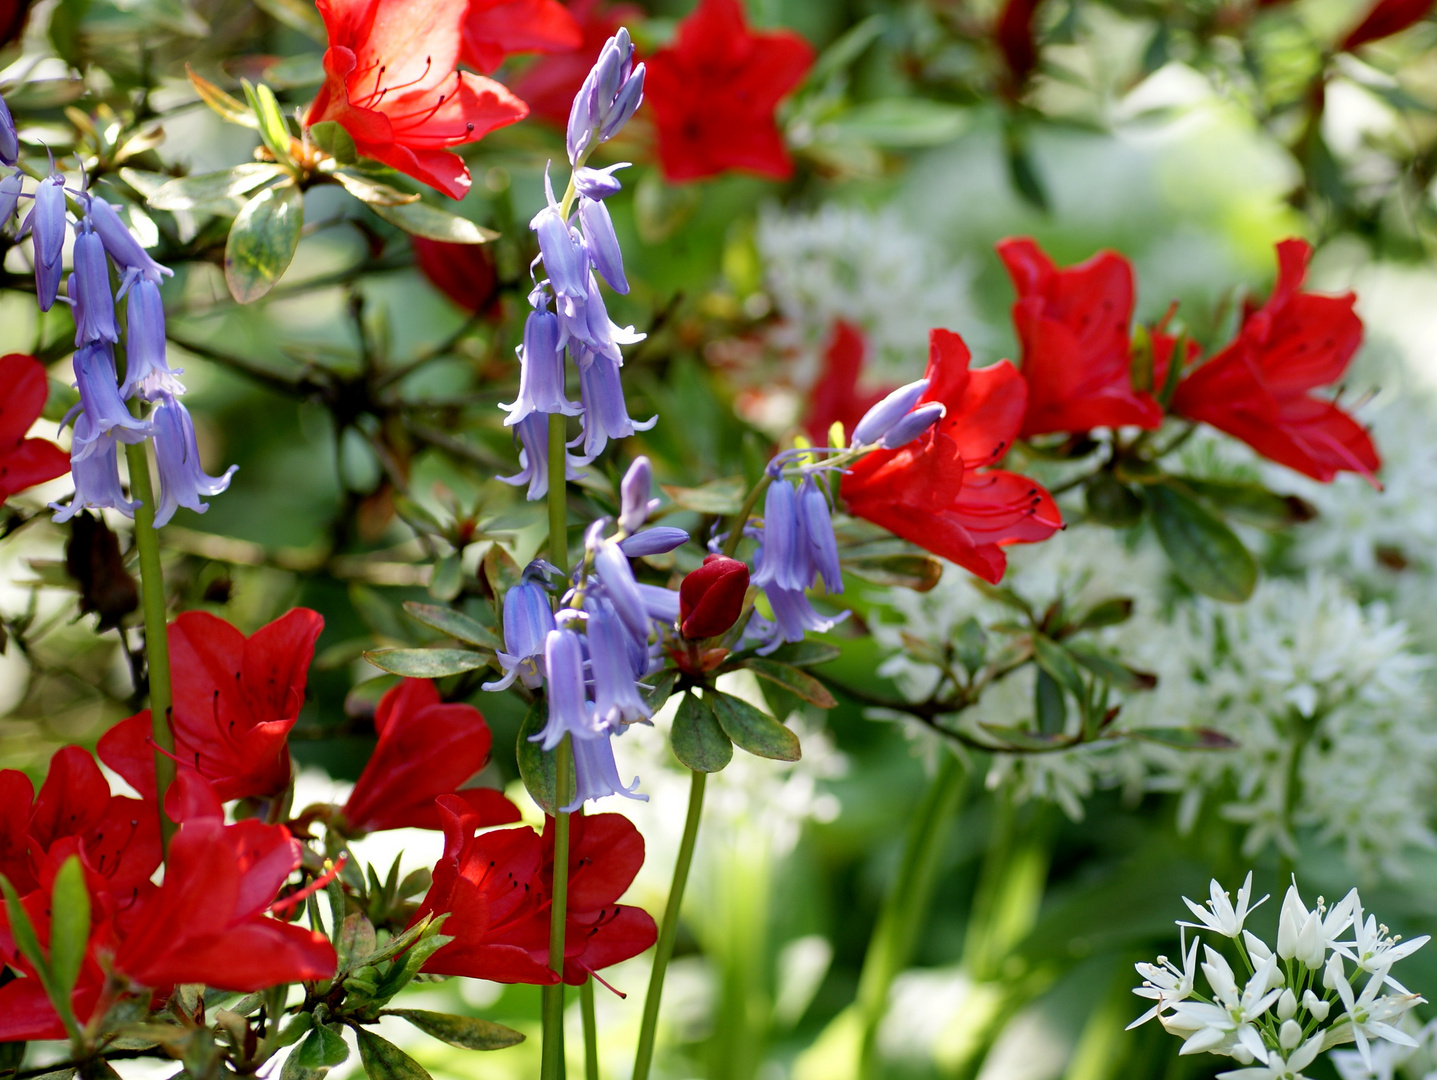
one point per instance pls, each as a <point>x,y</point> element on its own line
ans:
<point>711,597</point>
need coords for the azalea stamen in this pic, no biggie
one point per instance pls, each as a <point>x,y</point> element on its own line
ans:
<point>331,871</point>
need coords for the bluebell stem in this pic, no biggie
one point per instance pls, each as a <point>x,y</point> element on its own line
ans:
<point>533,435</point>
<point>601,243</point>
<point>182,480</point>
<point>616,696</point>
<point>527,622</point>
<point>91,300</point>
<point>656,541</point>
<point>96,476</point>
<point>596,774</point>
<point>816,527</point>
<point>9,138</point>
<point>10,189</point>
<point>146,371</point>
<point>893,408</point>
<point>913,425</point>
<point>100,400</point>
<point>635,506</point>
<point>46,224</point>
<point>606,414</point>
<point>570,712</point>
<point>610,94</point>
<point>541,371</point>
<point>121,244</point>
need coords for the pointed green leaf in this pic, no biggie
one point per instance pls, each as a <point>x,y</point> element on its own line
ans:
<point>216,190</point>
<point>1050,704</point>
<point>501,571</point>
<point>752,730</point>
<point>421,219</point>
<point>231,108</point>
<point>912,571</point>
<point>698,741</point>
<point>1111,502</point>
<point>793,680</point>
<point>322,1047</point>
<point>1110,612</point>
<point>723,496</point>
<point>69,925</point>
<point>1205,553</point>
<point>262,241</point>
<point>448,579</point>
<point>22,932</point>
<point>456,624</point>
<point>272,128</point>
<point>385,1061</point>
<point>1023,739</point>
<point>1115,674</point>
<point>536,767</point>
<point>1054,659</point>
<point>468,1032</point>
<point>426,663</point>
<point>806,653</point>
<point>1251,503</point>
<point>903,122</point>
<point>371,191</point>
<point>655,696</point>
<point>1195,738</point>
<point>334,141</point>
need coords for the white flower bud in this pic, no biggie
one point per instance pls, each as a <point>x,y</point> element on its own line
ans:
<point>1316,1006</point>
<point>1333,974</point>
<point>1256,947</point>
<point>1289,922</point>
<point>1289,1035</point>
<point>1287,1005</point>
<point>1310,948</point>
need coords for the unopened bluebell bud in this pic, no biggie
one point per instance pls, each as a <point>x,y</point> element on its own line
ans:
<point>913,425</point>
<point>10,189</point>
<point>177,457</point>
<point>602,244</point>
<point>9,139</point>
<point>817,529</point>
<point>569,712</point>
<point>121,243</point>
<point>598,183</point>
<point>96,475</point>
<point>877,420</point>
<point>47,224</point>
<point>610,94</point>
<point>541,371</point>
<point>626,103</point>
<point>92,301</point>
<point>146,370</point>
<point>634,491</point>
<point>656,541</point>
<point>100,399</point>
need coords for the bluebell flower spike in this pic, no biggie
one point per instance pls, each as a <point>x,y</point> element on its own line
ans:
<point>817,528</point>
<point>541,371</point>
<point>46,224</point>
<point>598,183</point>
<point>121,244</point>
<point>635,504</point>
<point>602,244</point>
<point>659,540</point>
<point>533,435</point>
<point>11,187</point>
<point>616,696</point>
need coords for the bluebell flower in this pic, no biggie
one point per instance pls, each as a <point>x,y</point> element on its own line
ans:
<point>541,371</point>
<point>10,189</point>
<point>616,695</point>
<point>9,138</point>
<point>893,408</point>
<point>570,712</point>
<point>561,249</point>
<point>606,414</point>
<point>182,480</point>
<point>661,604</point>
<point>793,617</point>
<point>816,527</point>
<point>611,567</point>
<point>527,622</point>
<point>913,425</point>
<point>598,183</point>
<point>783,557</point>
<point>656,541</point>
<point>596,773</point>
<point>46,224</point>
<point>601,243</point>
<point>610,94</point>
<point>121,244</point>
<point>100,401</point>
<point>533,435</point>
<point>91,300</point>
<point>635,506</point>
<point>146,370</point>
<point>96,475</point>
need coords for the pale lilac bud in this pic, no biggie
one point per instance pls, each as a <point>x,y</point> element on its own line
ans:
<point>177,455</point>
<point>598,183</point>
<point>10,189</point>
<point>626,103</point>
<point>92,302</point>
<point>9,139</point>
<point>100,401</point>
<point>656,541</point>
<point>913,425</point>
<point>146,370</point>
<point>596,774</point>
<point>817,529</point>
<point>610,94</point>
<point>47,223</point>
<point>602,244</point>
<point>96,475</point>
<point>878,420</point>
<point>634,490</point>
<point>569,712</point>
<point>616,694</point>
<point>121,243</point>
<point>541,371</point>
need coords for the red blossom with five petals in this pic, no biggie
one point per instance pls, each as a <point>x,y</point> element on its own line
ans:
<point>1074,327</point>
<point>714,91</point>
<point>24,462</point>
<point>939,491</point>
<point>390,81</point>
<point>1258,388</point>
<point>495,29</point>
<point>550,83</point>
<point>426,749</point>
<point>235,700</point>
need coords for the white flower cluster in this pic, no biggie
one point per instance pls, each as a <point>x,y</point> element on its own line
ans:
<point>1297,1000</point>
<point>872,269</point>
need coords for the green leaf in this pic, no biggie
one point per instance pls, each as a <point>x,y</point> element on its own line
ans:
<point>723,496</point>
<point>216,190</point>
<point>1251,503</point>
<point>970,645</point>
<point>1195,738</point>
<point>297,15</point>
<point>262,241</point>
<point>848,48</point>
<point>22,932</point>
<point>69,925</point>
<point>536,767</point>
<point>697,739</point>
<point>793,680</point>
<point>753,730</point>
<point>655,696</point>
<point>911,571</point>
<point>426,663</point>
<point>272,128</point>
<point>448,579</point>
<point>1049,704</point>
<point>357,940</point>
<point>385,1061</point>
<point>456,624</point>
<point>1111,502</point>
<point>1111,671</point>
<point>468,1032</point>
<point>1205,553</point>
<point>334,141</point>
<point>421,219</point>
<point>1110,612</point>
<point>903,122</point>
<point>1023,173</point>
<point>501,571</point>
<point>231,108</point>
<point>806,653</point>
<point>322,1047</point>
<point>1055,660</point>
<point>373,192</point>
<point>1023,739</point>
<point>12,1056</point>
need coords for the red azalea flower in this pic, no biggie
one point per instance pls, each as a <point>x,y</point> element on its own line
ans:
<point>932,492</point>
<point>1257,388</point>
<point>550,83</point>
<point>463,272</point>
<point>208,922</point>
<point>1385,18</point>
<point>495,28</point>
<point>426,749</point>
<point>235,700</point>
<point>1014,35</point>
<point>836,396</point>
<point>24,462</point>
<point>714,91</point>
<point>391,83</point>
<point>1073,325</point>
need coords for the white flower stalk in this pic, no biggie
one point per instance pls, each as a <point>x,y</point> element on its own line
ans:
<point>1297,1000</point>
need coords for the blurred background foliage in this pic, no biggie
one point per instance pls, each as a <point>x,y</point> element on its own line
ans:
<point>359,402</point>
